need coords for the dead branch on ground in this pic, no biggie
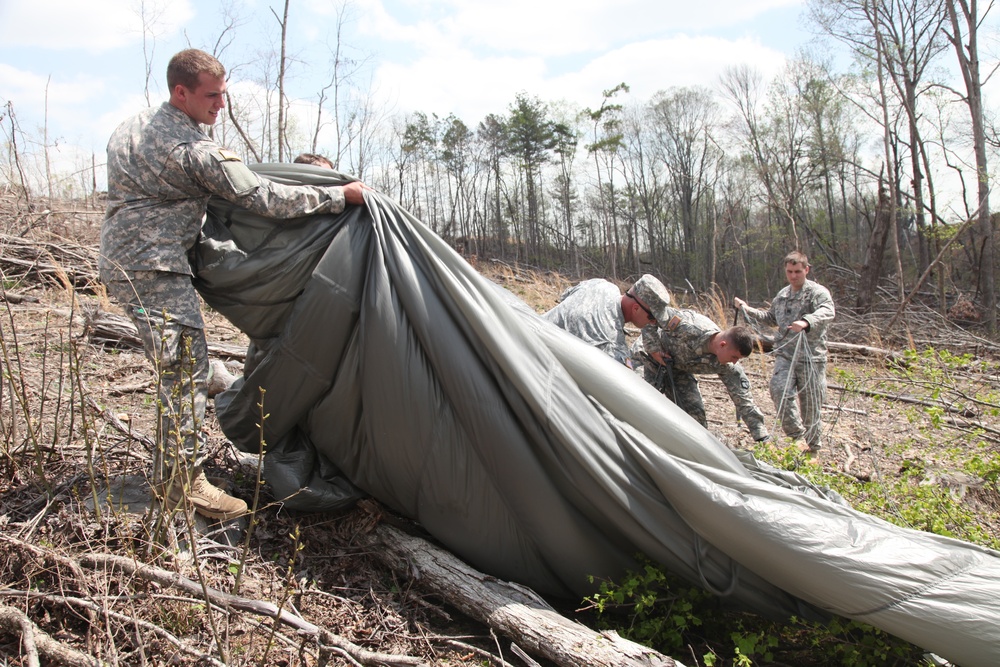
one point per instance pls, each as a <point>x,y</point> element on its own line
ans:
<point>325,638</point>
<point>513,610</point>
<point>47,262</point>
<point>37,643</point>
<point>903,398</point>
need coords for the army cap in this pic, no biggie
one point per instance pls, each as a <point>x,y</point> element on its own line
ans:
<point>651,293</point>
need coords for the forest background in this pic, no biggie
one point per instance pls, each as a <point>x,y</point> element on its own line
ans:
<point>871,152</point>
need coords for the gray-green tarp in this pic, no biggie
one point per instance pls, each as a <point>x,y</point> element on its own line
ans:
<point>390,367</point>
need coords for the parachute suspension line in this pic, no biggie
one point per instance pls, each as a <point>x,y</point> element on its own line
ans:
<point>802,372</point>
<point>802,382</point>
<point>786,394</point>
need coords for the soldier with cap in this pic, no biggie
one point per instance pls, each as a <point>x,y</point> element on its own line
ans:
<point>162,170</point>
<point>686,344</point>
<point>596,312</point>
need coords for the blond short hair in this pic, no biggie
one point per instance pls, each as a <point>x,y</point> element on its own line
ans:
<point>796,257</point>
<point>184,68</point>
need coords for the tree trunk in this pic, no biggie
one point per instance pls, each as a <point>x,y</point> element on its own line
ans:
<point>872,267</point>
<point>281,84</point>
<point>968,60</point>
<point>513,610</point>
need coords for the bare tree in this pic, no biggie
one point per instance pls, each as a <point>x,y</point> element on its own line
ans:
<point>342,70</point>
<point>231,22</point>
<point>149,13</point>
<point>639,166</point>
<point>773,133</point>
<point>45,140</point>
<point>282,62</point>
<point>683,120</point>
<point>367,124</point>
<point>492,138</point>
<point>15,154</point>
<point>901,38</point>
<point>967,51</point>
<point>607,144</point>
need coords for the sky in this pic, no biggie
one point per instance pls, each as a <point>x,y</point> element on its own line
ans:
<point>80,65</point>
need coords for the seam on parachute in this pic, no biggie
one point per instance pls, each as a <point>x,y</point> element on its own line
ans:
<point>340,289</point>
<point>549,382</point>
<point>919,592</point>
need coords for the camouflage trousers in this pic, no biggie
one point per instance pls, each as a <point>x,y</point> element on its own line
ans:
<point>680,387</point>
<point>798,389</point>
<point>167,313</point>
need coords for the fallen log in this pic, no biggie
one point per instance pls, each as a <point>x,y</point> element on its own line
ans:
<point>903,398</point>
<point>513,610</point>
<point>117,331</point>
<point>865,351</point>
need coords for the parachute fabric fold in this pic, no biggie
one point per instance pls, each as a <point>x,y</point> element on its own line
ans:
<point>390,367</point>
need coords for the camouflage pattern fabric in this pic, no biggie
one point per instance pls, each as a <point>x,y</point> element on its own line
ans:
<point>166,311</point>
<point>592,311</point>
<point>798,385</point>
<point>162,169</point>
<point>812,303</point>
<point>653,294</point>
<point>684,335</point>
<point>798,389</point>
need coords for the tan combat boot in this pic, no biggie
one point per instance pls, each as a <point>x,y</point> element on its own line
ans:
<point>206,499</point>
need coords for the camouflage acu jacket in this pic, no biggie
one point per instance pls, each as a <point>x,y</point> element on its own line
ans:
<point>592,311</point>
<point>812,303</point>
<point>685,337</point>
<point>162,169</point>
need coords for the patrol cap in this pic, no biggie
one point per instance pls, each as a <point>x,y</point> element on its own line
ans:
<point>652,294</point>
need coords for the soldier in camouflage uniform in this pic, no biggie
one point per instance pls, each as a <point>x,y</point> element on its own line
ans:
<point>802,312</point>
<point>688,344</point>
<point>162,170</point>
<point>596,312</point>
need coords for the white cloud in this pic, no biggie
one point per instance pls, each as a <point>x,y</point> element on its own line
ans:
<point>466,57</point>
<point>19,84</point>
<point>471,58</point>
<point>94,25</point>
<point>650,66</point>
<point>78,126</point>
<point>550,27</point>
<point>459,82</point>
<point>66,95</point>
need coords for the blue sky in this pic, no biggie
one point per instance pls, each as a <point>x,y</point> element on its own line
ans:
<point>466,57</point>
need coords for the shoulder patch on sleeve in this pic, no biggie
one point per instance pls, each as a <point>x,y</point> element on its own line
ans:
<point>228,156</point>
<point>673,322</point>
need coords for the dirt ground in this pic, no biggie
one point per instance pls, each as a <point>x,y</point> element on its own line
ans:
<point>73,410</point>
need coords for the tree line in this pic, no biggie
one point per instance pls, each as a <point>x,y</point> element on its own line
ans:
<point>879,167</point>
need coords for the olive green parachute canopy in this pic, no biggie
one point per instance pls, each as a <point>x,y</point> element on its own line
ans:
<point>389,367</point>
